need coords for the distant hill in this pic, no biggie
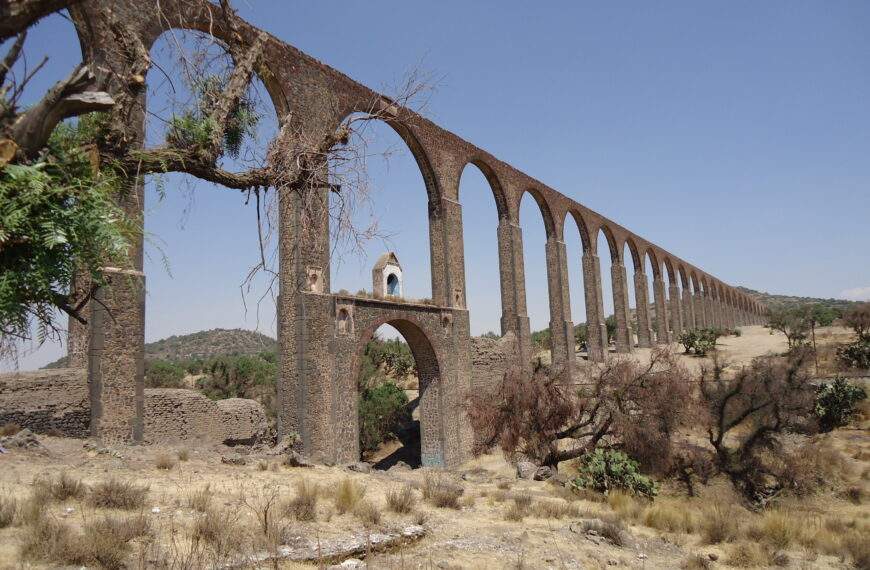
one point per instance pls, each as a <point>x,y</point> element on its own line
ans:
<point>202,344</point>
<point>772,301</point>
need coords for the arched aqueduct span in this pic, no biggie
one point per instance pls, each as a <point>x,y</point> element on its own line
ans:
<point>319,351</point>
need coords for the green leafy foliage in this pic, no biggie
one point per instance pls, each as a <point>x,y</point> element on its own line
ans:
<point>700,341</point>
<point>251,376</point>
<point>194,128</point>
<point>386,358</point>
<point>607,469</point>
<point>542,339</point>
<point>57,215</point>
<point>610,324</point>
<point>835,403</point>
<point>382,411</point>
<point>163,374</point>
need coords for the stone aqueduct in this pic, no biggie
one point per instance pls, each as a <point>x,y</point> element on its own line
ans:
<point>322,334</point>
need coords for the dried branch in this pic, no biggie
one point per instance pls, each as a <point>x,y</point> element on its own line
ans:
<point>18,15</point>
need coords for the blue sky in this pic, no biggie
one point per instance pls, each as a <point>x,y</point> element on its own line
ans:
<point>736,135</point>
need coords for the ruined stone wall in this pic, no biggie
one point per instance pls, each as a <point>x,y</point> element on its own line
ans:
<point>491,358</point>
<point>173,414</point>
<point>57,400</point>
<point>47,401</point>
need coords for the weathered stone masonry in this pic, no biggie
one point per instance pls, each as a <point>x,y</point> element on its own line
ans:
<point>321,334</point>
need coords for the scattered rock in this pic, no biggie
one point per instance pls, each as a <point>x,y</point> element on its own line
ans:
<point>477,475</point>
<point>295,459</point>
<point>349,563</point>
<point>360,467</point>
<point>233,459</point>
<point>24,439</point>
<point>526,470</point>
<point>544,473</point>
<point>400,466</point>
<point>93,447</point>
<point>713,556</point>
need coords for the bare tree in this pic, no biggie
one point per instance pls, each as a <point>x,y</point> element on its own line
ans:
<point>549,418</point>
<point>744,415</point>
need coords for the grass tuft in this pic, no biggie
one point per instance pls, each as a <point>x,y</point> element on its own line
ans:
<point>440,491</point>
<point>115,494</point>
<point>303,506</point>
<point>347,494</point>
<point>8,510</point>
<point>164,462</point>
<point>367,512</point>
<point>719,524</point>
<point>401,500</point>
<point>200,500</point>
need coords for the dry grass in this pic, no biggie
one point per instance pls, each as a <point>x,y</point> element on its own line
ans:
<point>116,494</point>
<point>347,494</point>
<point>858,548</point>
<point>262,465</point>
<point>200,500</point>
<point>32,510</point>
<point>9,429</point>
<point>367,512</point>
<point>611,530</point>
<point>777,528</point>
<point>183,455</point>
<point>696,562</point>
<point>164,462</point>
<point>62,488</point>
<point>102,543</point>
<point>8,510</point>
<point>719,524</point>
<point>440,491</point>
<point>219,530</point>
<point>401,499</point>
<point>546,509</point>
<point>669,517</point>
<point>625,505</point>
<point>514,513</point>
<point>748,555</point>
<point>303,506</point>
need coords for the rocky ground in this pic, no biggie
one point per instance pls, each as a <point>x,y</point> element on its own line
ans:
<point>204,506</point>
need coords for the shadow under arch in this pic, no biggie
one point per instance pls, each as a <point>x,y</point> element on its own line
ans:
<point>426,447</point>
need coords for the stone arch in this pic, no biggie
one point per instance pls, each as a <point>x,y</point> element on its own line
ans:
<point>407,134</point>
<point>582,227</point>
<point>428,363</point>
<point>612,243</point>
<point>544,207</point>
<point>498,193</point>
<point>636,258</point>
<point>672,275</point>
<point>654,262</point>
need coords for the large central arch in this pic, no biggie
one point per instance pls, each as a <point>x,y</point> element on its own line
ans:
<point>429,376</point>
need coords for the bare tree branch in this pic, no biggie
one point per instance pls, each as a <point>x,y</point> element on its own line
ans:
<point>18,15</point>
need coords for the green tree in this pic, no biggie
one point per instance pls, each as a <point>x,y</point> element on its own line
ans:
<point>163,374</point>
<point>58,215</point>
<point>794,323</point>
<point>382,412</point>
<point>858,317</point>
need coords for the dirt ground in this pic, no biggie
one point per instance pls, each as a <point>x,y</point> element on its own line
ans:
<point>482,533</point>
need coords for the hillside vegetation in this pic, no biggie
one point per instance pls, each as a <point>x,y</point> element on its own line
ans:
<point>773,302</point>
<point>202,345</point>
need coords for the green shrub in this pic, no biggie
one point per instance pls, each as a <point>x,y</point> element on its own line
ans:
<point>251,376</point>
<point>855,355</point>
<point>163,374</point>
<point>700,341</point>
<point>382,411</point>
<point>607,469</point>
<point>835,403</point>
<point>688,339</point>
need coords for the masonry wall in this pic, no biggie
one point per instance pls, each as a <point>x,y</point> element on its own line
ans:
<point>47,400</point>
<point>57,400</point>
<point>491,358</point>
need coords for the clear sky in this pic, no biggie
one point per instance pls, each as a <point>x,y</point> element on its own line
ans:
<point>737,135</point>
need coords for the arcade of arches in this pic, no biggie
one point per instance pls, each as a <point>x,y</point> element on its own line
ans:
<point>321,333</point>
